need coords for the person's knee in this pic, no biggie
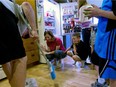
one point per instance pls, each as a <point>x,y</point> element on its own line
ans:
<point>69,53</point>
<point>76,58</point>
<point>56,52</point>
<point>59,54</point>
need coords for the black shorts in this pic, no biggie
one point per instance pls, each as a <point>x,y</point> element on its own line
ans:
<point>107,68</point>
<point>11,44</point>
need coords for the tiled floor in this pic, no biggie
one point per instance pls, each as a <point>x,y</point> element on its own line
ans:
<point>68,76</point>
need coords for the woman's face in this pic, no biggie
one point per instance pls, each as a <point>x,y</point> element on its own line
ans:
<point>48,37</point>
<point>75,39</point>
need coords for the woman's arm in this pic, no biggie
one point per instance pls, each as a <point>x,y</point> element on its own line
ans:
<point>57,48</point>
<point>44,48</point>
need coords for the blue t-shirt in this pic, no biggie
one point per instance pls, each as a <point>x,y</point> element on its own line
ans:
<point>105,44</point>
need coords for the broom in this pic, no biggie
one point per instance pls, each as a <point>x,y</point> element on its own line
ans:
<point>51,67</point>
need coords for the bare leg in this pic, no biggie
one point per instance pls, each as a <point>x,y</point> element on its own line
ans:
<point>71,54</point>
<point>19,72</point>
<point>16,72</point>
<point>8,70</point>
<point>76,58</point>
<point>112,83</point>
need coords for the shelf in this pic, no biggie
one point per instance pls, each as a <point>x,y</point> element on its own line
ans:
<point>68,15</point>
<point>66,23</point>
<point>49,27</point>
<point>49,18</point>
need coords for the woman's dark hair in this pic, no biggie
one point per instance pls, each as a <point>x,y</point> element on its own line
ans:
<point>49,33</point>
<point>77,34</point>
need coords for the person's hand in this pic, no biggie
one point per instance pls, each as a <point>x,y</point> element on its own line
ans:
<point>92,12</point>
<point>34,35</point>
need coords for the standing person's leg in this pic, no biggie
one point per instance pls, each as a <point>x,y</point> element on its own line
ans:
<point>112,83</point>
<point>17,73</point>
<point>95,59</point>
<point>86,34</point>
<point>107,70</point>
<point>8,70</point>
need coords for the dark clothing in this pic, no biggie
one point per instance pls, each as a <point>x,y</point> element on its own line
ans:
<point>82,50</point>
<point>105,66</point>
<point>105,44</point>
<point>11,45</point>
<point>58,54</point>
<point>95,58</point>
<point>86,34</point>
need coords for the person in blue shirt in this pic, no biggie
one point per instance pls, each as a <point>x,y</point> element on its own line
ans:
<point>105,44</point>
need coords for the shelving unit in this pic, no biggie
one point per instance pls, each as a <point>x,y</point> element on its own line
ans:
<point>49,21</point>
<point>68,16</point>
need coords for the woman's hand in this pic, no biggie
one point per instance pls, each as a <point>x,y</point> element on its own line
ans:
<point>52,52</point>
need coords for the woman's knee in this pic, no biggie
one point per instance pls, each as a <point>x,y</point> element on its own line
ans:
<point>57,52</point>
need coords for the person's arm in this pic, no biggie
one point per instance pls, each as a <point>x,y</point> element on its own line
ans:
<point>57,48</point>
<point>30,15</point>
<point>95,11</point>
<point>67,49</point>
<point>75,49</point>
<point>58,44</point>
<point>44,48</point>
<point>71,47</point>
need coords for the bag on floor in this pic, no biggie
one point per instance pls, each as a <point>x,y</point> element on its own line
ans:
<point>31,82</point>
